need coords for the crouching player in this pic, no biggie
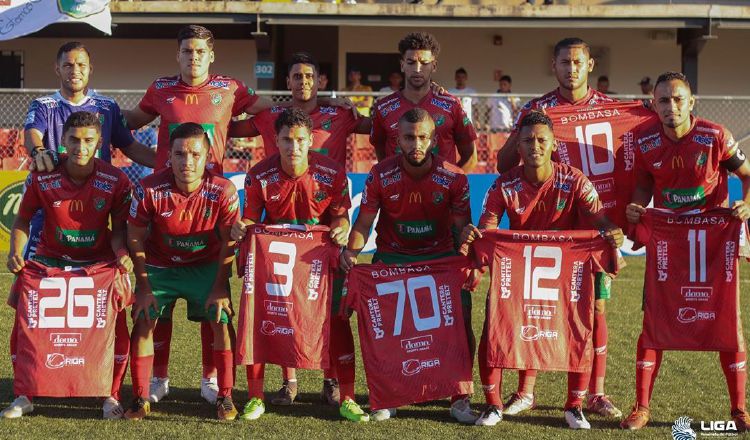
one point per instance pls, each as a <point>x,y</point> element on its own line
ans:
<point>78,200</point>
<point>178,235</point>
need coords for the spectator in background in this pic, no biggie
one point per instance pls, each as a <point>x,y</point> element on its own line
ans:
<point>502,111</point>
<point>364,102</point>
<point>394,83</point>
<point>462,79</point>
<point>323,82</point>
<point>602,85</point>
<point>646,89</point>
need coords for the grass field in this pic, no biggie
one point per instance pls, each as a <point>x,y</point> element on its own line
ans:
<point>690,384</point>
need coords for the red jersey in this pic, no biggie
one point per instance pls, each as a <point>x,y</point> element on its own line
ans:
<point>599,140</point>
<point>565,201</point>
<point>687,174</point>
<point>184,227</point>
<point>452,126</point>
<point>76,218</point>
<point>331,129</point>
<point>211,104</point>
<point>66,328</point>
<point>286,296</point>
<point>313,198</point>
<point>692,280</point>
<point>540,310</point>
<point>416,216</point>
<point>411,330</point>
<point>554,98</point>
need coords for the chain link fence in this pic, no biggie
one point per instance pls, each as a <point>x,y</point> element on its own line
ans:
<point>489,121</point>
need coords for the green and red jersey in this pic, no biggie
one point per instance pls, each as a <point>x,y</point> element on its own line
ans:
<point>211,104</point>
<point>184,228</point>
<point>76,217</point>
<point>416,215</point>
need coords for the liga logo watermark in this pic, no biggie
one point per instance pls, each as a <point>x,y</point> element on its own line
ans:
<point>682,429</point>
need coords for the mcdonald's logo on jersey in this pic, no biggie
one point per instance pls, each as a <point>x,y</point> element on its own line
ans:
<point>678,162</point>
<point>541,206</point>
<point>191,99</point>
<point>415,197</point>
<point>75,206</point>
<point>186,215</point>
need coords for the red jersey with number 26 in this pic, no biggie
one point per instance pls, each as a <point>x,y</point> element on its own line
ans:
<point>411,330</point>
<point>286,296</point>
<point>540,311</point>
<point>692,280</point>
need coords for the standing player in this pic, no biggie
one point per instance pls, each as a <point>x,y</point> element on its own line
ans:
<point>297,187</point>
<point>453,129</point>
<point>178,235</point>
<point>423,200</point>
<point>707,151</point>
<point>78,201</point>
<point>539,195</point>
<point>571,64</point>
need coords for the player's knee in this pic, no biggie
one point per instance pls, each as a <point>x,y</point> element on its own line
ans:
<point>599,306</point>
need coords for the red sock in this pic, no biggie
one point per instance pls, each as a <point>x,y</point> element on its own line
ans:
<point>526,381</point>
<point>122,349</point>
<point>599,367</point>
<point>342,356</point>
<point>735,371</point>
<point>162,345</point>
<point>288,373</point>
<point>576,389</point>
<point>207,350</point>
<point>255,377</point>
<point>492,378</point>
<point>224,361</point>
<point>140,372</point>
<point>655,374</point>
<point>646,369</point>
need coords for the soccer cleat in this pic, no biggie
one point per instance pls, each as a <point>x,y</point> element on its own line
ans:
<point>461,411</point>
<point>253,409</point>
<point>575,418</point>
<point>209,389</point>
<point>741,419</point>
<point>139,409</point>
<point>602,405</point>
<point>112,410</point>
<point>330,394</point>
<point>637,419</point>
<point>286,395</point>
<point>350,410</point>
<point>158,389</point>
<point>225,409</point>
<point>20,406</point>
<point>490,417</point>
<point>519,403</point>
<point>383,414</point>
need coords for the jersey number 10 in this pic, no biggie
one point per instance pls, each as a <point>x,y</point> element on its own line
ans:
<point>585,135</point>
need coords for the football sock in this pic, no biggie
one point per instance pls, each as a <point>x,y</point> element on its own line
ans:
<point>576,389</point>
<point>599,368</point>
<point>289,373</point>
<point>646,370</point>
<point>735,371</point>
<point>122,350</point>
<point>162,344</point>
<point>224,361</point>
<point>492,378</point>
<point>140,372</point>
<point>207,350</point>
<point>526,382</point>
<point>255,377</point>
<point>342,355</point>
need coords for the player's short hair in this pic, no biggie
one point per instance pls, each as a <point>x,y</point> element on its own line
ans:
<point>189,130</point>
<point>461,70</point>
<point>415,116</point>
<point>603,78</point>
<point>506,78</point>
<point>566,43</point>
<point>195,31</point>
<point>419,41</point>
<point>303,58</point>
<point>293,117</point>
<point>69,47</point>
<point>82,120</point>
<point>535,117</point>
<point>671,76</point>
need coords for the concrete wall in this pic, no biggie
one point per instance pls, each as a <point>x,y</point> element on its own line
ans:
<point>128,64</point>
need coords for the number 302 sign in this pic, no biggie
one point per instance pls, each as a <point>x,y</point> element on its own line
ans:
<point>264,70</point>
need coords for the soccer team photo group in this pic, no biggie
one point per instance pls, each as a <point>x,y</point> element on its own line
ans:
<point>612,232</point>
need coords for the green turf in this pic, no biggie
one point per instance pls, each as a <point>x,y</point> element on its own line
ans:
<point>690,384</point>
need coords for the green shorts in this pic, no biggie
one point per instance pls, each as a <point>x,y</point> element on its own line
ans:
<point>602,286</point>
<point>390,258</point>
<point>191,283</point>
<point>336,290</point>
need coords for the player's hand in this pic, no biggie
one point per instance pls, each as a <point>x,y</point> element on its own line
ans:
<point>614,237</point>
<point>125,263</point>
<point>437,88</point>
<point>633,212</point>
<point>15,263</point>
<point>347,104</point>
<point>347,260</point>
<point>340,236</point>
<point>144,302</point>
<point>239,228</point>
<point>741,210</point>
<point>219,299</point>
<point>473,280</point>
<point>469,234</point>
<point>43,160</point>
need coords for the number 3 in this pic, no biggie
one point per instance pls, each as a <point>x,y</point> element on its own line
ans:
<point>285,270</point>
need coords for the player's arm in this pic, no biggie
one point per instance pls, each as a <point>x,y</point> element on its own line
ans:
<point>467,155</point>
<point>253,209</point>
<point>144,297</point>
<point>736,162</point>
<point>357,238</point>
<point>644,187</point>
<point>19,236</point>
<point>244,128</point>
<point>138,118</point>
<point>219,296</point>
<point>141,154</point>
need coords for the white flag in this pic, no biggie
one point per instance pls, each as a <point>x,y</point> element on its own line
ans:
<point>22,17</point>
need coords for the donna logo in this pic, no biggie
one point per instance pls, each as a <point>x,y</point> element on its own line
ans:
<point>533,333</point>
<point>59,360</point>
<point>10,201</point>
<point>681,429</point>
<point>410,367</point>
<point>268,328</point>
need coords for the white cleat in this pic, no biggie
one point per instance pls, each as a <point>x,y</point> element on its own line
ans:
<point>575,418</point>
<point>461,411</point>
<point>22,405</point>
<point>209,389</point>
<point>158,389</point>
<point>382,414</point>
<point>490,417</point>
<point>112,410</point>
<point>519,403</point>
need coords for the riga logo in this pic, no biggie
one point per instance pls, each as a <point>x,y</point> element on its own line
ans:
<point>268,328</point>
<point>533,333</point>
<point>411,367</point>
<point>59,360</point>
<point>687,315</point>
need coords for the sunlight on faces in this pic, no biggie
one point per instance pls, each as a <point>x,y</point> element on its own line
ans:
<point>81,143</point>
<point>416,140</point>
<point>194,57</point>
<point>188,158</point>
<point>418,67</point>
<point>73,69</point>
<point>536,144</point>
<point>294,143</point>
<point>303,82</point>
<point>572,67</point>
<point>673,102</point>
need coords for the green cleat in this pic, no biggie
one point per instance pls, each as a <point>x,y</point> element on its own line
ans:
<point>253,409</point>
<point>351,411</point>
